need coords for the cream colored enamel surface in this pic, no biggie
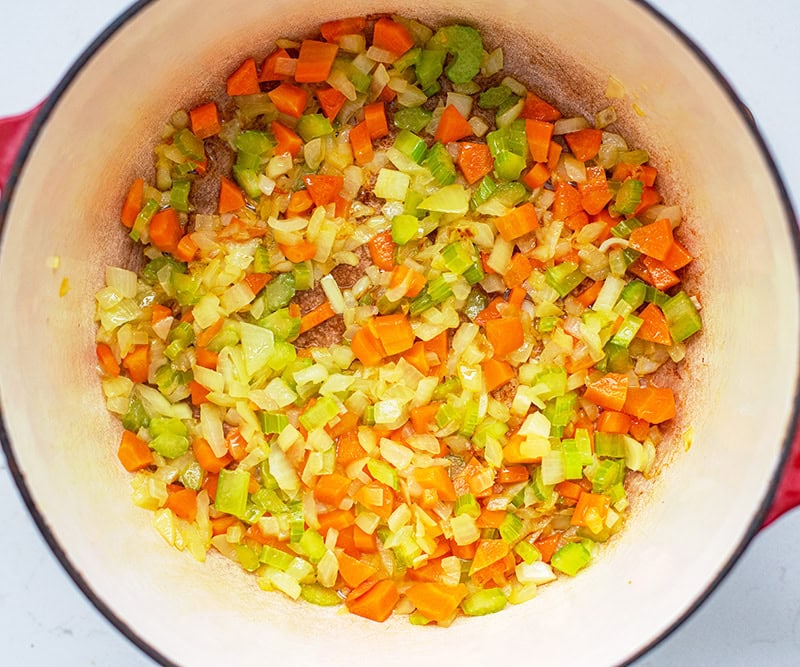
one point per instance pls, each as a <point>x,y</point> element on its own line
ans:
<point>684,528</point>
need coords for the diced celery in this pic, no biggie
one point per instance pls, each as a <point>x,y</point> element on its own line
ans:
<point>627,330</point>
<point>508,166</point>
<point>484,191</point>
<point>179,195</point>
<point>470,420</point>
<point>547,324</point>
<point>312,545</point>
<point>457,257</point>
<point>564,277</point>
<point>261,261</point>
<point>440,164</point>
<point>408,59</point>
<point>312,126</point>
<point>635,157</point>
<point>273,422</point>
<point>404,228</point>
<point>392,185</point>
<point>552,382</point>
<point>466,504</point>
<point>682,317</point>
<point>628,197</point>
<point>571,558</point>
<point>656,296</point>
<point>170,445</point>
<point>319,595</point>
<point>606,475</point>
<point>430,65</point>
<point>466,45</point>
<point>631,298</point>
<point>136,416</point>
<point>383,472</point>
<point>573,468</point>
<point>254,142</point>
<point>296,523</point>
<point>623,229</point>
<point>319,414</point>
<point>153,268</point>
<point>528,552</point>
<point>275,558</point>
<point>149,209</point>
<point>411,145</point>
<point>449,199</point>
<point>248,558</point>
<point>492,98</point>
<point>446,414</point>
<point>188,144</point>
<point>232,492</point>
<point>511,528</point>
<point>609,444</point>
<point>414,119</point>
<point>248,179</point>
<point>482,602</point>
<point>278,292</point>
<point>474,273</point>
<point>281,324</point>
<point>510,194</point>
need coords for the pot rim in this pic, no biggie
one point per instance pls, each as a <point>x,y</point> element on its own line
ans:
<point>793,429</point>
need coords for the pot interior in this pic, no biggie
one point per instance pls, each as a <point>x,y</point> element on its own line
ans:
<point>738,385</point>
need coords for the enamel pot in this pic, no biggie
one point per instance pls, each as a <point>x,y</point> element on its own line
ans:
<point>739,385</point>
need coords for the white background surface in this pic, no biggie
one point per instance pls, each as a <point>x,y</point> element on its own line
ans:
<point>753,618</point>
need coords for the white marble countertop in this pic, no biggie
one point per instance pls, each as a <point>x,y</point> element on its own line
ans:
<point>753,618</point>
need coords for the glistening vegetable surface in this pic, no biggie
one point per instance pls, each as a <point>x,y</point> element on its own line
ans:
<point>394,341</point>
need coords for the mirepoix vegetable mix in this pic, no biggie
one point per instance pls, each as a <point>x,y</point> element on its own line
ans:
<point>393,343</point>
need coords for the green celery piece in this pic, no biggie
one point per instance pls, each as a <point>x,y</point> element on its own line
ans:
<point>482,602</point>
<point>319,595</point>
<point>249,161</point>
<point>404,228</point>
<point>571,558</point>
<point>555,381</point>
<point>511,528</point>
<point>169,380</point>
<point>319,414</point>
<point>187,288</point>
<point>528,552</point>
<point>136,416</point>
<point>412,202</point>
<point>153,268</point>
<point>656,296</point>
<point>444,389</point>
<point>457,257</point>
<point>273,422</point>
<point>449,199</point>
<point>261,261</point>
<point>275,558</point>
<point>631,297</point>
<point>489,428</point>
<point>418,618</point>
<point>413,119</point>
<point>635,157</point>
<point>383,472</point>
<point>510,194</point>
<point>475,303</point>
<point>279,291</point>
<point>617,358</point>
<point>190,145</point>
<point>312,545</point>
<point>573,468</point>
<point>474,273</point>
<point>254,142</point>
<point>420,303</point>
<point>494,97</point>
<point>623,229</point>
<point>170,445</point>
<point>248,179</point>
<point>411,145</point>
<point>564,277</point>
<point>606,475</point>
<point>466,45</point>
<point>429,66</point>
<point>611,445</point>
<point>508,166</point>
<point>627,330</point>
<point>466,504</point>
<point>628,196</point>
<point>682,317</point>
<point>282,355</point>
<point>192,476</point>
<point>439,290</point>
<point>296,522</point>
<point>303,276</point>
<point>432,89</point>
<point>486,188</point>
<point>440,164</point>
<point>179,195</point>
<point>268,500</point>
<point>229,336</point>
<point>360,80</point>
<point>408,59</point>
<point>312,126</point>
<point>149,209</point>
<point>470,420</point>
<point>546,324</point>
<point>282,324</point>
<point>445,415</point>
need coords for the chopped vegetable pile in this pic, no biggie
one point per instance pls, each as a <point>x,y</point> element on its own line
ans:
<point>393,343</point>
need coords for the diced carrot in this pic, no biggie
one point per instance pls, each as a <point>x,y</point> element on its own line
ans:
<point>611,421</point>
<point>346,422</point>
<point>488,553</point>
<point>553,155</point>
<point>537,109</point>
<point>677,257</point>
<point>452,126</point>
<point>231,197</point>
<point>464,552</point>
<point>289,99</point>
<point>333,30</point>
<point>644,173</point>
<point>364,542</point>
<point>353,571</point>
<point>288,140</point>
<point>518,272</point>
<point>106,358</point>
<point>361,143</point>
<point>436,601</point>
<point>237,445</point>
<point>205,336</point>
<point>198,393</point>
<point>505,335</point>
<point>639,429</point>
<point>653,404</point>
<point>609,391</point>
<point>165,230</point>
<point>516,223</point>
<point>566,202</point>
<point>323,188</point>
<point>598,502</point>
<point>256,281</point>
<point>490,518</point>
<point>206,358</point>
<point>367,348</point>
<point>158,313</point>
<point>547,546</point>
<point>415,280</point>
<point>133,203</point>
<point>331,489</point>
<point>348,449</point>
<point>394,332</point>
<point>342,207</point>
<point>313,318</point>
<point>300,202</point>
<point>539,134</point>
<point>376,603</point>
<point>513,474</point>
<point>512,452</point>
<point>439,346</point>
<point>244,81</point>
<point>375,118</point>
<point>516,297</point>
<point>489,313</point>
<point>654,325</point>
<point>315,61</point>
<point>650,197</point>
<point>392,36</point>
<point>659,275</point>
<point>418,358</point>
<point>595,193</point>
<point>366,496</point>
<point>430,572</point>
<point>584,144</point>
<point>423,416</point>
<point>299,252</point>
<point>137,363</point>
<point>475,161</point>
<point>654,239</point>
<point>537,176</point>
<point>134,453</point>
<point>183,503</point>
<point>220,525</point>
<point>436,477</point>
<point>576,222</point>
<point>205,120</point>
<point>336,519</point>
<point>331,101</point>
<point>569,489</point>
<point>381,250</point>
<point>186,249</point>
<point>496,373</point>
<point>268,72</point>
<point>589,295</point>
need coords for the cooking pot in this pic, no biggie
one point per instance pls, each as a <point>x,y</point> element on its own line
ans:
<point>718,472</point>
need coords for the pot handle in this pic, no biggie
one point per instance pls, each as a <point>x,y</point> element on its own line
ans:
<point>787,495</point>
<point>13,130</point>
